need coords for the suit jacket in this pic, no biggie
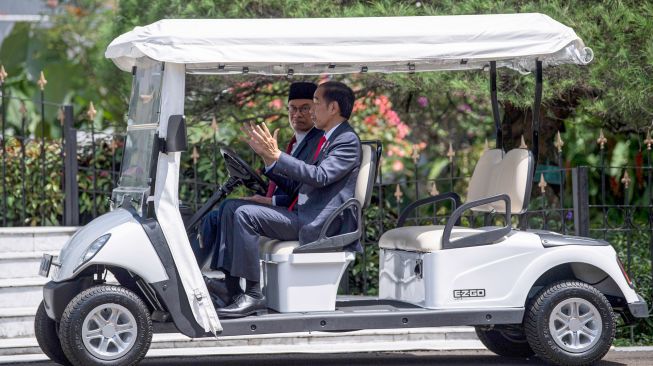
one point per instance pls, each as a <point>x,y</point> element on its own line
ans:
<point>324,185</point>
<point>303,152</point>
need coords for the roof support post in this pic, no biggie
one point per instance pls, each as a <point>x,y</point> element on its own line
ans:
<point>495,105</point>
<point>536,110</point>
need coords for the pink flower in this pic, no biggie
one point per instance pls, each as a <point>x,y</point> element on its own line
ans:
<point>276,104</point>
<point>370,120</point>
<point>402,130</point>
<point>397,166</point>
<point>358,106</point>
<point>465,108</point>
<point>423,101</point>
<point>393,118</point>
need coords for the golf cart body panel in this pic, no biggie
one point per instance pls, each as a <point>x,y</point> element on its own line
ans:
<point>346,45</point>
<point>126,247</point>
<point>475,277</point>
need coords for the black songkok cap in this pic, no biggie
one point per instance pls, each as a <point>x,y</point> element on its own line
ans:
<point>301,90</point>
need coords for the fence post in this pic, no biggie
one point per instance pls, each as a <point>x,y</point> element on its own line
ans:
<point>71,200</point>
<point>580,187</point>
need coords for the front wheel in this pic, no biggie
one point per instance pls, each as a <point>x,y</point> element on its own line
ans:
<point>570,323</point>
<point>106,325</point>
<point>507,341</point>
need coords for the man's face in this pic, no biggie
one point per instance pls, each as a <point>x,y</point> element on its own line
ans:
<point>299,113</point>
<point>321,112</point>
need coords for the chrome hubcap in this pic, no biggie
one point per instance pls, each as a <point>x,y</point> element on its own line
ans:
<point>575,325</point>
<point>109,331</point>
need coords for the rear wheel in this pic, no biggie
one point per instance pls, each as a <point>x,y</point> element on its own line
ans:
<point>45,330</point>
<point>507,341</point>
<point>106,325</point>
<point>570,323</point>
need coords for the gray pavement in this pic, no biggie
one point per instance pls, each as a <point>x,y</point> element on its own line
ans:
<point>622,356</point>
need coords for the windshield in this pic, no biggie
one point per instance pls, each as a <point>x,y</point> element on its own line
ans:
<point>142,124</point>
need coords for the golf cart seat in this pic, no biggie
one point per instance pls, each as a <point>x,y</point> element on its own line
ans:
<point>498,181</point>
<point>296,281</point>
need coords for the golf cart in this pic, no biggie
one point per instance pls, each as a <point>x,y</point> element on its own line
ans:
<point>526,292</point>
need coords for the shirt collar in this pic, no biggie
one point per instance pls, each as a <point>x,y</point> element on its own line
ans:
<point>328,134</point>
<point>299,136</point>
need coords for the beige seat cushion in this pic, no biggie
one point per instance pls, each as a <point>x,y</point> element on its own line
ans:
<point>271,246</point>
<point>498,173</point>
<point>365,173</point>
<point>422,238</point>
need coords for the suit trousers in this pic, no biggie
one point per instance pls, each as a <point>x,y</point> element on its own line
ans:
<point>242,223</point>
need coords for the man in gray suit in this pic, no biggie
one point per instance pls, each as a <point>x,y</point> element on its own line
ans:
<point>322,187</point>
<point>301,146</point>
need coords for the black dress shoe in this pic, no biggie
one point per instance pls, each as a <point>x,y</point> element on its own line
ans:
<point>218,290</point>
<point>244,305</point>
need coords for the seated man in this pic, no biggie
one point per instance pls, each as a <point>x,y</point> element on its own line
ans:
<point>322,186</point>
<point>301,146</point>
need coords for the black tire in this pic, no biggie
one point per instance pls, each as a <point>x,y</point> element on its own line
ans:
<point>104,298</point>
<point>47,337</point>
<point>507,341</point>
<point>547,346</point>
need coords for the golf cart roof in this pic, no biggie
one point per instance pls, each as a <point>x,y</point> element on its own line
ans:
<point>352,45</point>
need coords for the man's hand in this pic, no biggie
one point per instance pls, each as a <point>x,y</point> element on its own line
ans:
<point>259,199</point>
<point>263,142</point>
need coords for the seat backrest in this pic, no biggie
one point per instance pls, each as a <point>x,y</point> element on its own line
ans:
<point>367,172</point>
<point>496,173</point>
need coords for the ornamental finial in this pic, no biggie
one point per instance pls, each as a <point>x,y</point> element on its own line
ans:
<point>626,179</point>
<point>542,184</point>
<point>398,194</point>
<point>3,74</point>
<point>558,142</point>
<point>91,112</point>
<point>601,140</point>
<point>649,140</point>
<point>451,153</point>
<point>523,145</point>
<point>434,190</point>
<point>195,155</point>
<point>60,115</point>
<point>415,154</point>
<point>41,82</point>
<point>214,124</point>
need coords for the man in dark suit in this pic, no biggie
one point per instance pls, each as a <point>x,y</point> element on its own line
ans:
<point>322,186</point>
<point>301,146</point>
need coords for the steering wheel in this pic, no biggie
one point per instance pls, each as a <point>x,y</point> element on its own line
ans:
<point>238,168</point>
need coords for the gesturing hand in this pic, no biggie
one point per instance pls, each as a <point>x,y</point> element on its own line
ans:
<point>262,142</point>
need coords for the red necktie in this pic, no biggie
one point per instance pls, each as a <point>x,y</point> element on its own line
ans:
<point>272,186</point>
<point>317,153</point>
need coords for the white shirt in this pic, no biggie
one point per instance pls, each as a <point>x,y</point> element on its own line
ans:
<point>299,137</point>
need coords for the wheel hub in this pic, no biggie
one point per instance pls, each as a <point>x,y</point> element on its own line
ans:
<point>109,331</point>
<point>575,325</point>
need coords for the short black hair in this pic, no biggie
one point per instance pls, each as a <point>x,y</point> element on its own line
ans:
<point>335,91</point>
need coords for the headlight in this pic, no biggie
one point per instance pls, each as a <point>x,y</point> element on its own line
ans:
<point>92,250</point>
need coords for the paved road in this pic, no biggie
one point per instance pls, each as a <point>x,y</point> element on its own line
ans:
<point>440,358</point>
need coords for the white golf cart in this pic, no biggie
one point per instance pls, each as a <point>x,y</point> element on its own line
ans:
<point>526,292</point>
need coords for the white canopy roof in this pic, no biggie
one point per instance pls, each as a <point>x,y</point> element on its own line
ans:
<point>351,45</point>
